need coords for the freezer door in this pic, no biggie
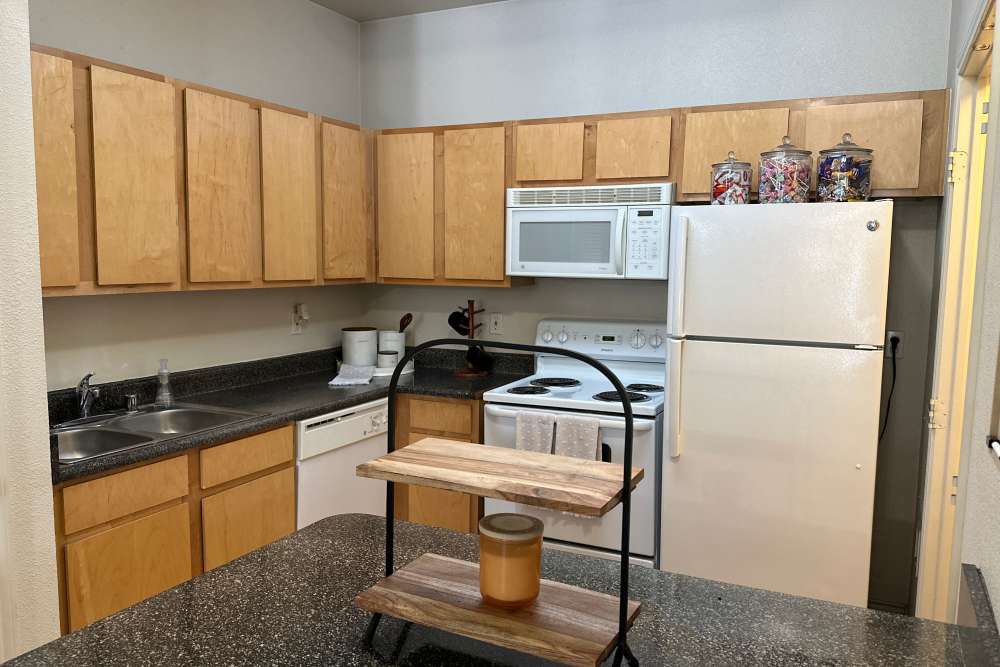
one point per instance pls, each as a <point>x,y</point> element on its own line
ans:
<point>789,272</point>
<point>773,484</point>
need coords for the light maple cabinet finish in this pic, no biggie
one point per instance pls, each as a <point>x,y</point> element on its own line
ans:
<point>440,507</point>
<point>345,218</point>
<point>288,177</point>
<point>55,169</point>
<point>549,152</point>
<point>104,499</point>
<point>126,564</point>
<point>710,135</point>
<point>892,128</point>
<point>474,212</point>
<point>224,463</point>
<point>238,520</point>
<point>441,417</point>
<point>406,205</point>
<point>220,173</point>
<point>135,179</point>
<point>633,147</point>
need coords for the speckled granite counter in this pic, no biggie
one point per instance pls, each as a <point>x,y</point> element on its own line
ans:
<point>290,604</point>
<point>299,392</point>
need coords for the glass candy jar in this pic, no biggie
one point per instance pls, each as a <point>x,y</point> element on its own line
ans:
<point>844,172</point>
<point>784,174</point>
<point>731,181</point>
<point>510,559</point>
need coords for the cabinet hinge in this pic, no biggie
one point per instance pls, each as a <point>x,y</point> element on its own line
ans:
<point>984,128</point>
<point>986,108</point>
<point>957,165</point>
<point>936,414</point>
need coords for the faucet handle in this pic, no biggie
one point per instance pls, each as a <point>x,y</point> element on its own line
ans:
<point>85,382</point>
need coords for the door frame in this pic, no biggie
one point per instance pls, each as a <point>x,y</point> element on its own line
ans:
<point>966,203</point>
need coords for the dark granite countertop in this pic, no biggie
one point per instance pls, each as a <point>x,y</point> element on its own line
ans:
<point>290,603</point>
<point>282,401</point>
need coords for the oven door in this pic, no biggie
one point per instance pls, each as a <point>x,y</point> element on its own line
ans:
<point>604,533</point>
<point>566,242</point>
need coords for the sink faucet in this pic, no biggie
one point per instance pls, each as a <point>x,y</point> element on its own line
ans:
<point>86,394</point>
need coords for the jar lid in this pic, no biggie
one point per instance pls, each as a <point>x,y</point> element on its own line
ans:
<point>509,527</point>
<point>786,148</point>
<point>732,162</point>
<point>358,329</point>
<point>846,145</point>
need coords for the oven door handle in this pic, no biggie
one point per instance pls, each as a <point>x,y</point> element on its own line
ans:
<point>638,425</point>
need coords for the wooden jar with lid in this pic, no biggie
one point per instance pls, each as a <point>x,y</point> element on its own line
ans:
<point>510,559</point>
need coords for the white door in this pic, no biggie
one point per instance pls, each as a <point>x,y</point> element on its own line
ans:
<point>769,466</point>
<point>790,272</point>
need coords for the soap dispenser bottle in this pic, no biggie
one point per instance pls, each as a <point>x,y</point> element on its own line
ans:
<point>164,397</point>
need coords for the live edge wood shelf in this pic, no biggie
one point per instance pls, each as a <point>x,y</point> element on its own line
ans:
<point>589,488</point>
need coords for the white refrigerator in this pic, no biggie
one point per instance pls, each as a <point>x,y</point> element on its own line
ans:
<point>776,321</point>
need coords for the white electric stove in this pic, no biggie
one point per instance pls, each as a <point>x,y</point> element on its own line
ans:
<point>634,352</point>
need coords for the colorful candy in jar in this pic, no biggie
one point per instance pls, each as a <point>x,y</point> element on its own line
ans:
<point>731,181</point>
<point>784,174</point>
<point>844,172</point>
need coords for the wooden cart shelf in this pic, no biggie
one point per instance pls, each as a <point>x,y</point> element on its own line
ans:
<point>589,488</point>
<point>570,625</point>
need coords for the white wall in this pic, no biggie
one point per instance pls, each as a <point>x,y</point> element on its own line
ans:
<point>532,58</point>
<point>29,608</point>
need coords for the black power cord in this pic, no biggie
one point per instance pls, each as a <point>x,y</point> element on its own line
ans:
<point>893,346</point>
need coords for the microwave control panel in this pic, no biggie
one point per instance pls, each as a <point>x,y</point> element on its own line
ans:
<point>646,242</point>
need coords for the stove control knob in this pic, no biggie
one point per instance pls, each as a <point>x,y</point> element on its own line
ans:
<point>547,336</point>
<point>656,341</point>
<point>638,339</point>
<point>563,337</point>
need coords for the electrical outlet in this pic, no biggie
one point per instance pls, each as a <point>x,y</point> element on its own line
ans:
<point>296,324</point>
<point>496,323</point>
<point>888,344</point>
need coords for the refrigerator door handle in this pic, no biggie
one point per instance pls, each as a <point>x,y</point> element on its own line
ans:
<point>677,275</point>
<point>675,356</point>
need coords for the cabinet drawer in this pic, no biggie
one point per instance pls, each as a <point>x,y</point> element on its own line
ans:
<point>108,498</point>
<point>244,457</point>
<point>441,417</point>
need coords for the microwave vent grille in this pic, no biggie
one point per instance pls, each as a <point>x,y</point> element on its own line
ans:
<point>582,196</point>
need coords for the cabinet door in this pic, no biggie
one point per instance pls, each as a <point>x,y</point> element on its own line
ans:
<point>437,507</point>
<point>892,128</point>
<point>633,147</point>
<point>126,564</point>
<point>238,520</point>
<point>135,178</point>
<point>55,169</point>
<point>474,163</point>
<point>346,228</point>
<point>288,176</point>
<point>549,152</point>
<point>406,205</point>
<point>220,198</point>
<point>709,137</point>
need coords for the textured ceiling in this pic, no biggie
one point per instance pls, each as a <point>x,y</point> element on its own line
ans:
<point>369,10</point>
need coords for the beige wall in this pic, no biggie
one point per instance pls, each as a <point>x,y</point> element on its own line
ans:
<point>29,610</point>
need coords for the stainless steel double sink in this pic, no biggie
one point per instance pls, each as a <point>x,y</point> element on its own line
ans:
<point>99,435</point>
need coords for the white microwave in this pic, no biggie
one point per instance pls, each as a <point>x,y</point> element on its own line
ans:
<point>603,231</point>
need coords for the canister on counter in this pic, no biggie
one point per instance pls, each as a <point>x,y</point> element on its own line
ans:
<point>731,181</point>
<point>844,172</point>
<point>784,174</point>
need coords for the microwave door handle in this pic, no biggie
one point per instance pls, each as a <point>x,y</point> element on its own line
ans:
<point>620,244</point>
<point>638,426</point>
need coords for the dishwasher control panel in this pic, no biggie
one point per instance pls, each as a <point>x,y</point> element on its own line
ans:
<point>333,431</point>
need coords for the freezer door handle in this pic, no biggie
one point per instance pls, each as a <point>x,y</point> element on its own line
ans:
<point>675,360</point>
<point>677,275</point>
<point>638,425</point>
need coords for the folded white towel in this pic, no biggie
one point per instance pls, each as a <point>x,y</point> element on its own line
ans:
<point>534,432</point>
<point>579,437</point>
<point>352,375</point>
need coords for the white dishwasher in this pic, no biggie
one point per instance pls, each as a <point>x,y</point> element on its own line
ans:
<point>330,447</point>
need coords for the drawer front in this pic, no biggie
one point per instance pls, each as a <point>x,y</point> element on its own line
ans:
<point>244,457</point>
<point>238,520</point>
<point>440,416</point>
<point>101,500</point>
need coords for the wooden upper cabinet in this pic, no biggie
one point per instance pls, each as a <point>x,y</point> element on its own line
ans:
<point>549,152</point>
<point>406,205</point>
<point>222,207</point>
<point>346,226</point>
<point>288,175</point>
<point>633,147</point>
<point>892,128</point>
<point>55,169</point>
<point>474,168</point>
<point>709,136</point>
<point>135,179</point>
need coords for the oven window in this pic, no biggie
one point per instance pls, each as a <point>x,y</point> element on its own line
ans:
<point>577,242</point>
